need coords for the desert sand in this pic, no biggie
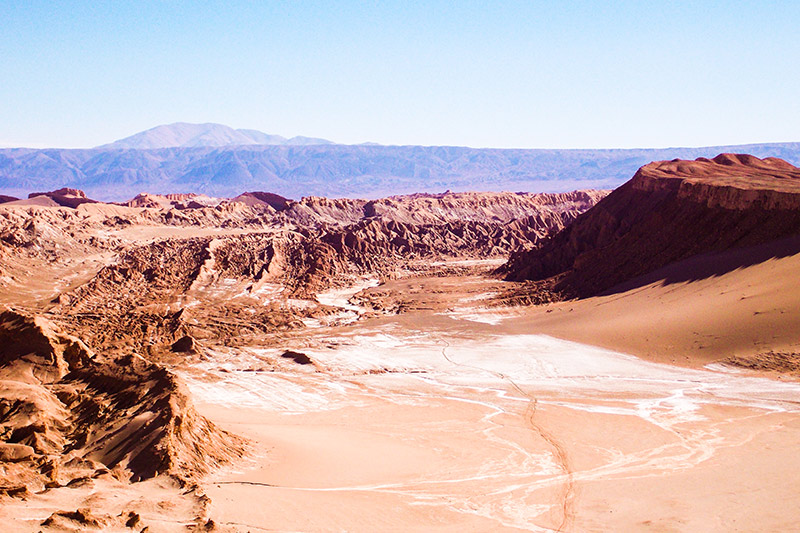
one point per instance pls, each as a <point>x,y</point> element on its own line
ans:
<point>443,420</point>
<point>745,311</point>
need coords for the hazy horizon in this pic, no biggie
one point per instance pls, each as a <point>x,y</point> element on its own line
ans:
<point>335,142</point>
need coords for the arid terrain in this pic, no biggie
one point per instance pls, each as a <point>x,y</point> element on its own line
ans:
<point>583,361</point>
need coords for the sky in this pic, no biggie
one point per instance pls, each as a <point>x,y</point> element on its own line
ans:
<point>528,74</point>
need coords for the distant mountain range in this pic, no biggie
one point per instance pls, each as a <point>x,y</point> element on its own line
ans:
<point>182,134</point>
<point>222,161</point>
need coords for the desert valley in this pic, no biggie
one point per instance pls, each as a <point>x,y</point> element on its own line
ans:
<point>594,360</point>
<point>399,267</point>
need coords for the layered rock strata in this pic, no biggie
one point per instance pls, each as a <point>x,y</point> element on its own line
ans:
<point>669,211</point>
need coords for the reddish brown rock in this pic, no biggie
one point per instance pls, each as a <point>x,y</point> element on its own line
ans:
<point>669,211</point>
<point>258,198</point>
<point>38,342</point>
<point>58,403</point>
<point>65,197</point>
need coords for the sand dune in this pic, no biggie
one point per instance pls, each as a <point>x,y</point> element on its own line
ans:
<point>670,316</point>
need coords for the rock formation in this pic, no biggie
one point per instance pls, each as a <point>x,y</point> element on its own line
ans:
<point>669,211</point>
<point>67,414</point>
<point>65,197</point>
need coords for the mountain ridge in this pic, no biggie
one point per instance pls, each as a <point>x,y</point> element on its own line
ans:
<point>115,172</point>
<point>190,135</point>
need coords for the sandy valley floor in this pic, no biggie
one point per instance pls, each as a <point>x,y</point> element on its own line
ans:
<point>457,417</point>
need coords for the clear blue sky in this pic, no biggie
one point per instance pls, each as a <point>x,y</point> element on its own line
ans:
<point>501,74</point>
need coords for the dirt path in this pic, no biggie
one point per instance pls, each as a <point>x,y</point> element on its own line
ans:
<point>568,498</point>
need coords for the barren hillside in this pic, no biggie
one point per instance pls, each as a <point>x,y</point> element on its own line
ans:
<point>669,211</point>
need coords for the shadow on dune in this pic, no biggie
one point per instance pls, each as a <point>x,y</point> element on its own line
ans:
<point>712,264</point>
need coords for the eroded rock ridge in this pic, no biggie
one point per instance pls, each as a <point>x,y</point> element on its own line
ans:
<point>669,211</point>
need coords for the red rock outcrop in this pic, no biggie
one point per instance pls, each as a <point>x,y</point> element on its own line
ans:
<point>138,302</point>
<point>50,353</point>
<point>669,211</point>
<point>136,415</point>
<point>64,411</point>
<point>258,198</point>
<point>65,197</point>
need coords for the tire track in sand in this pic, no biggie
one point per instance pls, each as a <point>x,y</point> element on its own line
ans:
<point>559,451</point>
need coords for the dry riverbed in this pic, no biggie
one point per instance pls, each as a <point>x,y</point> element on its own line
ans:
<point>455,418</point>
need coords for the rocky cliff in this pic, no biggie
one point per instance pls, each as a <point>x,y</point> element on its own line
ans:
<point>65,197</point>
<point>66,414</point>
<point>669,211</point>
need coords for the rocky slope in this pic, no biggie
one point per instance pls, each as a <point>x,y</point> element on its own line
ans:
<point>67,414</point>
<point>669,211</point>
<point>241,283</point>
<point>65,197</point>
<point>447,219</point>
